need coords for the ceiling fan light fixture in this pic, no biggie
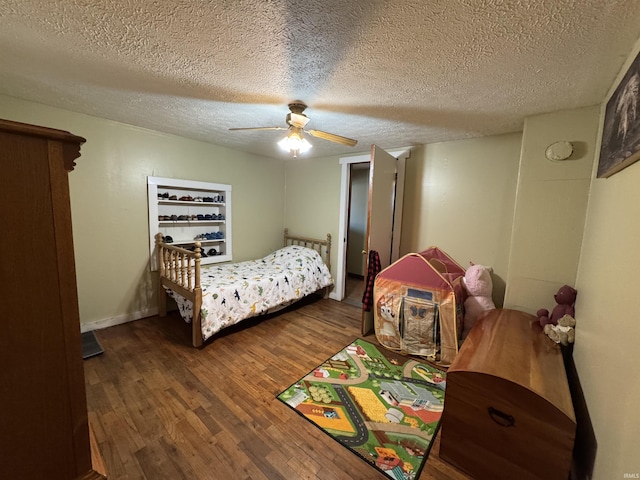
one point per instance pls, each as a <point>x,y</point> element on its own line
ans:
<point>294,143</point>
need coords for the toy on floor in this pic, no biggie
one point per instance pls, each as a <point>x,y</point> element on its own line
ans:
<point>564,332</point>
<point>479,286</point>
<point>565,300</point>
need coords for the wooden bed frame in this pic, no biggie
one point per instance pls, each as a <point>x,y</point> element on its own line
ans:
<point>179,270</point>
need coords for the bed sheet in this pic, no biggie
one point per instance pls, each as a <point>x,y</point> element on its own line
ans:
<point>236,291</point>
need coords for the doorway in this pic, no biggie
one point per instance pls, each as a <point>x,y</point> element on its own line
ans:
<point>339,292</point>
<point>356,233</point>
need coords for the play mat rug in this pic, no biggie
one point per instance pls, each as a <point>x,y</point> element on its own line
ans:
<point>383,406</point>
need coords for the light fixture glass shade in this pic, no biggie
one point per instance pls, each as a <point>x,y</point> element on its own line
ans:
<point>294,143</point>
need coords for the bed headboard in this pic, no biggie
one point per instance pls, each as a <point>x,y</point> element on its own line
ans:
<point>323,247</point>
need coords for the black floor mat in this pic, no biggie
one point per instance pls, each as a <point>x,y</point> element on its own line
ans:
<point>90,345</point>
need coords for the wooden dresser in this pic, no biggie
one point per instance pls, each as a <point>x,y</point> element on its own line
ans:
<point>508,410</point>
<point>43,419</point>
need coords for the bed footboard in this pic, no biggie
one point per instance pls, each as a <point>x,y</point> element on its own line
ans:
<point>179,270</point>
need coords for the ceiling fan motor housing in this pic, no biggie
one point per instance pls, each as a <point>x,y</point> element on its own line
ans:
<point>297,107</point>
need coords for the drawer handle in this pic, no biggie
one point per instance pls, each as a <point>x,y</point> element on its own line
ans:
<point>501,418</point>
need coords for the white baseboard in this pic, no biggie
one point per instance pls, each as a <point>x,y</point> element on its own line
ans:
<point>334,296</point>
<point>120,319</point>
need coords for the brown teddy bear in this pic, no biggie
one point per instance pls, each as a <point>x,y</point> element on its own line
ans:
<point>565,299</point>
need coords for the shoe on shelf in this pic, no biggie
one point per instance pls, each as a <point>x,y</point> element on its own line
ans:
<point>168,239</point>
<point>173,197</point>
<point>207,199</point>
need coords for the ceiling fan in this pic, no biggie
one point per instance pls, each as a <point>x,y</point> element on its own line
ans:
<point>296,120</point>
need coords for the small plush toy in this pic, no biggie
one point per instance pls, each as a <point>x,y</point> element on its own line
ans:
<point>479,286</point>
<point>564,332</point>
<point>565,299</point>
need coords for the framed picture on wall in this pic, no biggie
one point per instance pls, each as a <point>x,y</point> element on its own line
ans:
<point>620,145</point>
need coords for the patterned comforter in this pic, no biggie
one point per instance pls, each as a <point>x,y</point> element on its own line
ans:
<point>236,291</point>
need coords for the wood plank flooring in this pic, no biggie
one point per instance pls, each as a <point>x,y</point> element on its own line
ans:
<point>161,409</point>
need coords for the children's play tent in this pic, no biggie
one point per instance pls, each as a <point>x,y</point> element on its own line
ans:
<point>418,305</point>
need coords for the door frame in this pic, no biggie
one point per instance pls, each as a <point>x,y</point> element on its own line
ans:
<point>345,181</point>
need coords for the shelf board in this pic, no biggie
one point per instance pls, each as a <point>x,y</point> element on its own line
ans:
<point>169,223</point>
<point>199,204</point>
<point>191,242</point>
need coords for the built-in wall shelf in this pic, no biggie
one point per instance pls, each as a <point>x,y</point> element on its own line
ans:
<point>189,211</point>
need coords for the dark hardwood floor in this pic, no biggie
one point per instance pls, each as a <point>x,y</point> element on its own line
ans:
<point>161,409</point>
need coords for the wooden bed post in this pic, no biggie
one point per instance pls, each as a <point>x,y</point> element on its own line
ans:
<point>162,295</point>
<point>196,328</point>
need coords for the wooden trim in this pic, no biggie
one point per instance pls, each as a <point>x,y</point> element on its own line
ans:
<point>98,468</point>
<point>92,475</point>
<point>38,131</point>
<point>68,292</point>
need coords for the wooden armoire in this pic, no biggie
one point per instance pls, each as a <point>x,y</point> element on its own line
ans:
<point>44,430</point>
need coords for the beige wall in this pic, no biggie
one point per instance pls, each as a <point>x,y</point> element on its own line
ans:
<point>109,203</point>
<point>459,196</point>
<point>454,191</point>
<point>606,350</point>
<point>551,205</point>
<point>312,199</point>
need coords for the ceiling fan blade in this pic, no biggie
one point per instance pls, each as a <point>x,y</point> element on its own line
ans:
<point>261,128</point>
<point>332,137</point>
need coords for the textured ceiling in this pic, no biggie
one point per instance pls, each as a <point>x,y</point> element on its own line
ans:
<point>394,73</point>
